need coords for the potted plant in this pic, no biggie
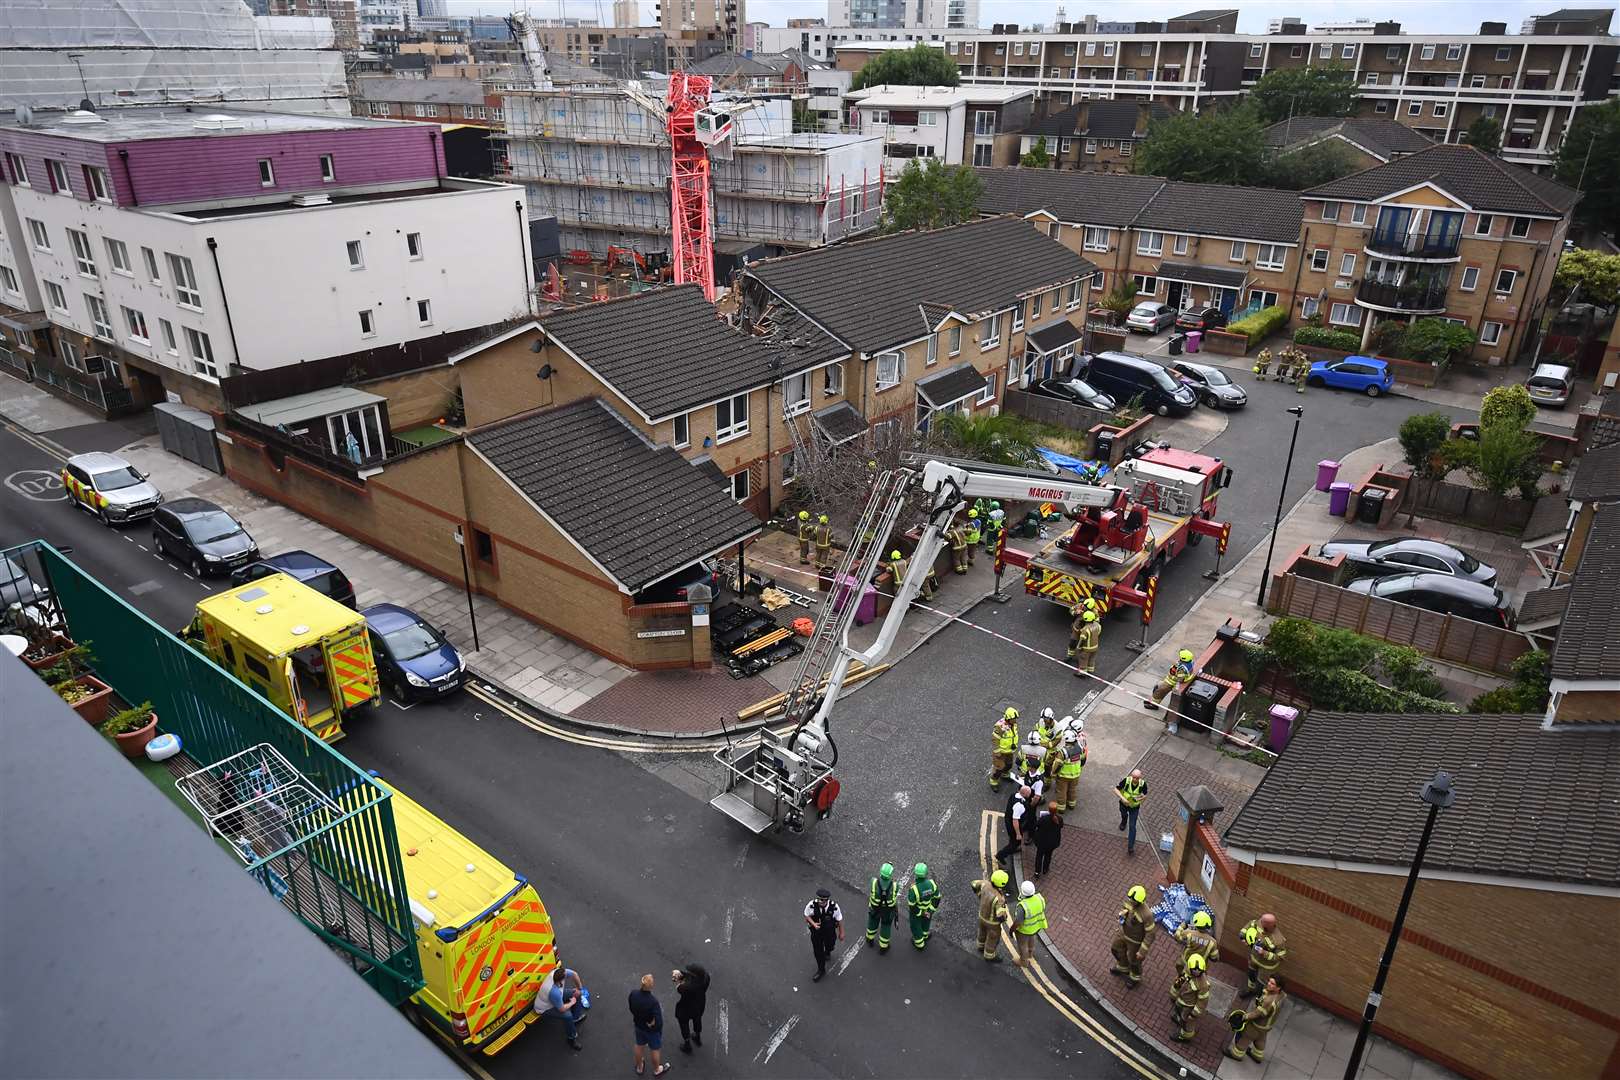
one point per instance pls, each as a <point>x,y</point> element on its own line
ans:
<point>90,697</point>
<point>46,647</point>
<point>132,729</point>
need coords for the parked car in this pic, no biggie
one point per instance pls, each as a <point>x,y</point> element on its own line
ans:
<point>109,487</point>
<point>414,660</point>
<point>1369,376</point>
<point>1551,384</point>
<point>202,536</point>
<point>1151,317</point>
<point>1435,592</point>
<point>673,589</point>
<point>1213,385</point>
<point>1123,377</point>
<point>16,586</point>
<point>312,570</point>
<point>1408,554</point>
<point>1075,390</point>
<point>1210,318</point>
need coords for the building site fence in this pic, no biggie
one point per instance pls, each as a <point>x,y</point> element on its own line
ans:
<point>342,876</point>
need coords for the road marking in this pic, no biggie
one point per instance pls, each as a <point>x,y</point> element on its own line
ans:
<point>731,919</point>
<point>849,956</point>
<point>37,485</point>
<point>742,857</point>
<point>943,818</point>
<point>141,546</point>
<point>722,1026</point>
<point>145,587</point>
<point>774,1043</point>
<point>402,708</point>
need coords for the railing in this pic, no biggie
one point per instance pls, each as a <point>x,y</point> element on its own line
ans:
<point>317,452</point>
<point>15,364</point>
<point>1414,245</point>
<point>102,391</point>
<point>1414,296</point>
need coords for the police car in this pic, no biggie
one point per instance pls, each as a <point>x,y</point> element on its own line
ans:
<point>109,487</point>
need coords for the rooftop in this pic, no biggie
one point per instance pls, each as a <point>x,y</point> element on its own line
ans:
<point>1247,213</point>
<point>1588,646</point>
<point>180,122</point>
<point>445,91</point>
<point>285,201</point>
<point>887,96</point>
<point>1531,803</point>
<point>1597,476</point>
<point>1386,139</point>
<point>1121,119</point>
<point>1481,180</point>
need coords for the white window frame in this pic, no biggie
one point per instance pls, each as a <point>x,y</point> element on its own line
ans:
<point>1146,284</point>
<point>1490,333</point>
<point>1324,51</point>
<point>1454,52</point>
<point>1427,53</point>
<point>328,169</point>
<point>170,344</point>
<point>135,322</point>
<point>19,169</point>
<point>1319,260</point>
<point>790,467</point>
<point>796,394</point>
<point>1330,211</point>
<point>1091,241</point>
<point>1017,318</point>
<point>1127,147</point>
<point>1352,315</point>
<point>8,278</point>
<point>1515,224</point>
<point>57,296</point>
<point>1108,48</point>
<point>267,172</point>
<point>1358,214</point>
<point>990,336</point>
<point>988,394</point>
<point>70,353</point>
<point>1469,280</point>
<point>184,276</point>
<point>832,380</point>
<point>681,432</point>
<point>84,256</point>
<point>39,234</point>
<point>1239,252</point>
<point>1347,52</point>
<point>1504,53</point>
<point>1098,281</point>
<point>1414,108</point>
<point>100,318</point>
<point>58,172</point>
<point>1309,306</point>
<point>413,246</point>
<point>1296,51</point>
<point>424,313</point>
<point>100,185</point>
<point>1440,109</point>
<point>954,341</point>
<point>368,322</point>
<point>1091,146</point>
<point>1256,51</point>
<point>1270,256</point>
<point>427,111</point>
<point>741,486</point>
<point>1347,264</point>
<point>1018,48</point>
<point>1393,52</point>
<point>118,256</point>
<point>734,425</point>
<point>1150,243</point>
<point>1179,244</point>
<point>1371,79</point>
<point>149,257</point>
<point>378,108</point>
<point>202,354</point>
<point>1483,223</point>
<point>355,252</point>
<point>1476,82</point>
<point>1073,300</point>
<point>895,361</point>
<point>1513,279</point>
<point>1380,106</point>
<point>932,356</point>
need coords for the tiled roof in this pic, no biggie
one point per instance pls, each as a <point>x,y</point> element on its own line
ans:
<point>1387,139</point>
<point>1262,214</point>
<point>1589,640</point>
<point>731,64</point>
<point>1059,334</point>
<point>1100,199</point>
<point>420,91</point>
<point>1061,124</point>
<point>1118,119</point>
<point>841,422</point>
<point>1543,607</point>
<point>610,490</point>
<point>667,351</point>
<point>1605,429</point>
<point>1226,277</point>
<point>1597,476</point>
<point>1479,179</point>
<point>1549,517</point>
<point>1536,804</point>
<point>867,292</point>
<point>951,385</point>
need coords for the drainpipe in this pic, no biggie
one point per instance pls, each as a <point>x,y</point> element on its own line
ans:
<point>129,177</point>
<point>230,325</point>
<point>523,254</point>
<point>433,138</point>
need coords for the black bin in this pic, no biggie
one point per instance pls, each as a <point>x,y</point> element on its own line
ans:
<point>1371,506</point>
<point>1177,342</point>
<point>1199,699</point>
<point>1105,444</point>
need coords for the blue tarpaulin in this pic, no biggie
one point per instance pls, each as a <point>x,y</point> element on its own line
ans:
<point>1090,471</point>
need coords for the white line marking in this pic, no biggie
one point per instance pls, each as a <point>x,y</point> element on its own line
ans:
<point>402,708</point>
<point>946,816</point>
<point>722,1027</point>
<point>774,1043</point>
<point>141,546</point>
<point>849,956</point>
<point>731,918</point>
<point>742,857</point>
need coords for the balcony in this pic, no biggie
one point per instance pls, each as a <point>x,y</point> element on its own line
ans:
<point>1417,297</point>
<point>1402,245</point>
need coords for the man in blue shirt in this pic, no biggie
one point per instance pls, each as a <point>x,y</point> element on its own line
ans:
<point>564,995</point>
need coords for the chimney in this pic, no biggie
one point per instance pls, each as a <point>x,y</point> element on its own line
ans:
<point>1082,119</point>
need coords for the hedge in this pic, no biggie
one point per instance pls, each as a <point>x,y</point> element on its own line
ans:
<point>1261,325</point>
<point>1342,340</point>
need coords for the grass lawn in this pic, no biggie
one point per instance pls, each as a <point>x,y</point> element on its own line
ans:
<point>426,435</point>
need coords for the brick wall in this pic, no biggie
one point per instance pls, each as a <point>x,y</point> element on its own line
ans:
<point>417,397</point>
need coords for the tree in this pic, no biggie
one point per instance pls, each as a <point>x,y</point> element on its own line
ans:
<point>1313,164</point>
<point>1597,276</point>
<point>920,65</point>
<point>1120,299</point>
<point>1506,457</point>
<point>1317,90</point>
<point>1220,147</point>
<point>931,197</point>
<point>1003,439</point>
<point>1422,437</point>
<point>1436,341</point>
<point>1527,693</point>
<point>1485,134</point>
<point>1589,159</point>
<point>1037,158</point>
<point>1508,406</point>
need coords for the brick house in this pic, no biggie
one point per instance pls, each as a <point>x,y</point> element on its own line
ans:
<point>1367,141</point>
<point>1096,136</point>
<point>1585,669</point>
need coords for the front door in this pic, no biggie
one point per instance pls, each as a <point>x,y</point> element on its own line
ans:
<point>1174,292</point>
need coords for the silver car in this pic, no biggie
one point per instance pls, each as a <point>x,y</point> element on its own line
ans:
<point>1551,384</point>
<point>109,487</point>
<point>1151,317</point>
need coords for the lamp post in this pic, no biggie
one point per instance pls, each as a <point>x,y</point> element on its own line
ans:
<point>1298,412</point>
<point>1438,794</point>
<point>466,581</point>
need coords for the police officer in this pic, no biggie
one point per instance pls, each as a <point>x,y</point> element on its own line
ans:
<point>1073,760</point>
<point>1267,950</point>
<point>883,901</point>
<point>1004,744</point>
<point>826,922</point>
<point>1029,919</point>
<point>957,535</point>
<point>1197,938</point>
<point>1135,935</point>
<point>1256,1022</point>
<point>972,534</point>
<point>806,532</point>
<point>823,537</point>
<point>922,900</point>
<point>1020,820</point>
<point>1188,996</point>
<point>992,913</point>
<point>1089,640</point>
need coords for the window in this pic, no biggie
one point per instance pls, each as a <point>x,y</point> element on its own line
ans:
<point>1308,307</point>
<point>1296,51</point>
<point>59,176</point>
<point>83,257</point>
<point>328,169</point>
<point>267,173</point>
<point>933,351</point>
<point>1262,298</point>
<point>988,394</point>
<point>1178,245</point>
<point>18,168</point>
<point>1256,51</point>
<point>1240,251</point>
<point>954,340</point>
<point>927,118</point>
<point>1091,148</point>
<point>149,257</point>
<point>1001,50</point>
<point>357,255</point>
<point>1147,48</point>
<point>1347,52</point>
<point>1018,317</point>
<point>57,296</point>
<point>427,110</point>
<point>202,353</point>
<point>185,281</point>
<point>731,418</point>
<point>1372,78</point>
<point>1381,107</point>
<point>8,279</point>
<point>168,337</point>
<point>377,108</point>
<point>990,336</point>
<point>796,394</point>
<point>136,322</point>
<point>1330,211</point>
<point>36,230</point>
<point>1099,281</point>
<point>1504,53</point>
<point>1482,225</point>
<point>984,154</point>
<point>1505,82</point>
<point>1358,214</point>
<point>984,122</point>
<point>1270,256</point>
<point>1440,108</point>
<point>1453,52</point>
<point>890,366</point>
<point>1091,48</point>
<point>99,319</point>
<point>1108,48</point>
<point>1393,52</point>
<point>1488,110</point>
<point>1470,279</point>
<point>1324,51</point>
<point>96,180</point>
<point>1344,315</point>
<point>70,353</point>
<point>1072,300</point>
<point>1150,243</point>
<point>1018,48</point>
<point>118,256</point>
<point>1476,82</point>
<point>472,112</point>
<point>1126,147</point>
<point>1490,333</point>
<point>739,486</point>
<point>1505,280</point>
<point>1347,264</point>
<point>1428,52</point>
<point>1519,227</point>
<point>424,313</point>
<point>1146,284</point>
<point>1414,108</point>
<point>1319,259</point>
<point>682,436</point>
<point>1054,230</point>
<point>368,328</point>
<point>790,468</point>
<point>1034,48</point>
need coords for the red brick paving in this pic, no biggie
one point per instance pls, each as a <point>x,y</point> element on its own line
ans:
<point>674,702</point>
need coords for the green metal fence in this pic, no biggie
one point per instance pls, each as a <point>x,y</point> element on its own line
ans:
<point>344,878</point>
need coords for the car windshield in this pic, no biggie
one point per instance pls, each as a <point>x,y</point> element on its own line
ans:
<point>1215,377</point>
<point>117,478</point>
<point>207,528</point>
<point>1165,382</point>
<point>409,642</point>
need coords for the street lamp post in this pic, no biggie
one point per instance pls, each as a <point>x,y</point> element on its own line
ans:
<point>1298,412</point>
<point>466,581</point>
<point>1438,794</point>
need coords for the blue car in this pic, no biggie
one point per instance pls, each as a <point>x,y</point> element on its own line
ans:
<point>1369,376</point>
<point>413,658</point>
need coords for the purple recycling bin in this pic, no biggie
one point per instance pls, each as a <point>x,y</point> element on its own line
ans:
<point>866,610</point>
<point>1194,337</point>
<point>1326,473</point>
<point>1281,726</point>
<point>1338,498</point>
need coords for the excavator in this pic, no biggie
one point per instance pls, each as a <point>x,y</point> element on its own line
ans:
<point>785,781</point>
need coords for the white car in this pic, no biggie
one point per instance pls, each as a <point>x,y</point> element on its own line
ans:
<point>1151,317</point>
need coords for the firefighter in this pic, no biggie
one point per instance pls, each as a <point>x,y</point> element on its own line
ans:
<point>993,525</point>
<point>1070,765</point>
<point>899,567</point>
<point>1175,680</point>
<point>972,534</point>
<point>1135,935</point>
<point>1285,366</point>
<point>1251,1026</point>
<point>922,900</point>
<point>992,914</point>
<point>1077,622</point>
<point>806,532</point>
<point>930,584</point>
<point>1090,640</point>
<point>1197,938</point>
<point>1267,950</point>
<point>1188,996</point>
<point>1045,730</point>
<point>823,541</point>
<point>957,535</point>
<point>1003,747</point>
<point>1262,364</point>
<point>882,902</point>
<point>1302,371</point>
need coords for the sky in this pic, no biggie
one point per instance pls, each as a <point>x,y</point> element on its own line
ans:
<point>1428,16</point>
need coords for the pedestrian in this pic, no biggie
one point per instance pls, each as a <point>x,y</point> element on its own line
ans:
<point>1066,787</point>
<point>972,535</point>
<point>1132,790</point>
<point>823,541</point>
<point>1253,1025</point>
<point>992,913</point>
<point>1003,746</point>
<point>1029,919</point>
<point>883,903</point>
<point>1048,835</point>
<point>1176,679</point>
<point>1188,996</point>
<point>957,535</point>
<point>826,922</point>
<point>565,994</point>
<point>1130,946</point>
<point>1197,938</point>
<point>1267,950</point>
<point>1018,805</point>
<point>648,1017</point>
<point>1089,640</point>
<point>922,900</point>
<point>692,986</point>
<point>806,533</point>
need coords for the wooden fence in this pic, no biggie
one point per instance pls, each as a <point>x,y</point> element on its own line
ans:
<point>1474,506</point>
<point>1444,637</point>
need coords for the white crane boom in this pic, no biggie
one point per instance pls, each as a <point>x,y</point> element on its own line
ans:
<point>534,57</point>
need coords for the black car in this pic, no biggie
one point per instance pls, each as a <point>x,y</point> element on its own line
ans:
<point>200,535</point>
<point>1074,390</point>
<point>1213,385</point>
<point>1411,554</point>
<point>1126,376</point>
<point>1210,318</point>
<point>312,570</point>
<point>1447,595</point>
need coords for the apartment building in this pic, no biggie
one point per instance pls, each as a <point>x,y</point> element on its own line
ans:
<point>343,14</point>
<point>427,101</point>
<point>163,250</point>
<point>897,14</point>
<point>1533,84</point>
<point>825,42</point>
<point>958,125</point>
<point>723,18</point>
<point>1100,136</point>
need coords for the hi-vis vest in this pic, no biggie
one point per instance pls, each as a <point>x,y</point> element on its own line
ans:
<point>891,898</point>
<point>1131,793</point>
<point>1006,738</point>
<point>1034,914</point>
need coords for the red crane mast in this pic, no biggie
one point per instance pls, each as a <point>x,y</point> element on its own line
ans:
<point>689,187</point>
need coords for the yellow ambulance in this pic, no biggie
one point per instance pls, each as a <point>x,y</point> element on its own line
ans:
<point>483,936</point>
<point>308,654</point>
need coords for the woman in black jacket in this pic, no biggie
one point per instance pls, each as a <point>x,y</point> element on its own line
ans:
<point>1048,835</point>
<point>692,984</point>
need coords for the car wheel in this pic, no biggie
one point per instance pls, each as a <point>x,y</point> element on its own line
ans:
<point>1212,401</point>
<point>105,520</point>
<point>1317,381</point>
<point>1373,391</point>
<point>157,542</point>
<point>196,567</point>
<point>1163,410</point>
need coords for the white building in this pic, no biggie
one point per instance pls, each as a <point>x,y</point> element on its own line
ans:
<point>956,124</point>
<point>821,42</point>
<point>374,15</point>
<point>890,14</point>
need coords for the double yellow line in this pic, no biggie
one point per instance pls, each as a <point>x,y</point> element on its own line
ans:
<point>1054,995</point>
